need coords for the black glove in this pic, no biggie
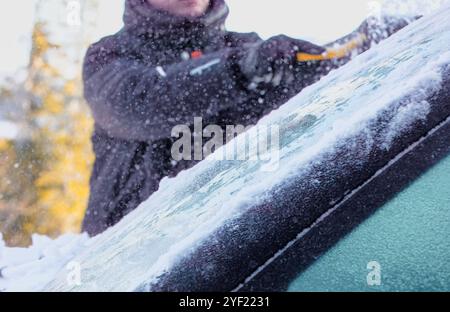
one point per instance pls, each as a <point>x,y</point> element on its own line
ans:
<point>272,62</point>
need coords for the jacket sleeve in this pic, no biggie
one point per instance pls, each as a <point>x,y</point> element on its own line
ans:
<point>133,101</point>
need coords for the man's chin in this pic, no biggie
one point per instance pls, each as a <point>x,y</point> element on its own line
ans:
<point>192,11</point>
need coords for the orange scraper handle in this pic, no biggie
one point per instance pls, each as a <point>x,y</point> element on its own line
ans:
<point>334,53</point>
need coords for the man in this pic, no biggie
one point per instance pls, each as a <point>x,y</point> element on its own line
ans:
<point>174,61</point>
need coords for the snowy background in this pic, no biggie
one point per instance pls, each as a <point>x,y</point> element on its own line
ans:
<point>28,269</point>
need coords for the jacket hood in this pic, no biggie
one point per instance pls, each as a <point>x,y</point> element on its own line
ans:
<point>142,17</point>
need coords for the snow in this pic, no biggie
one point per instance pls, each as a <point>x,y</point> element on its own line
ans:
<point>197,202</point>
<point>29,269</point>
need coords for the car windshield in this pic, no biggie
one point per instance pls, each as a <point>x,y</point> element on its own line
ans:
<point>188,208</point>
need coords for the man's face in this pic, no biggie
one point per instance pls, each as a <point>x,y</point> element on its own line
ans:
<point>183,8</point>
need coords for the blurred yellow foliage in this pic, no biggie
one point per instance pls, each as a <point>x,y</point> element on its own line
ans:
<point>4,144</point>
<point>48,177</point>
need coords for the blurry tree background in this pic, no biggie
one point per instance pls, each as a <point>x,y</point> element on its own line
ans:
<point>46,160</point>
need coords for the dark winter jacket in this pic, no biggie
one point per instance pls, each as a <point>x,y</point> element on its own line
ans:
<point>160,71</point>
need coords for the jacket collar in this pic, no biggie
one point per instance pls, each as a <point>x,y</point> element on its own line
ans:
<point>141,18</point>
